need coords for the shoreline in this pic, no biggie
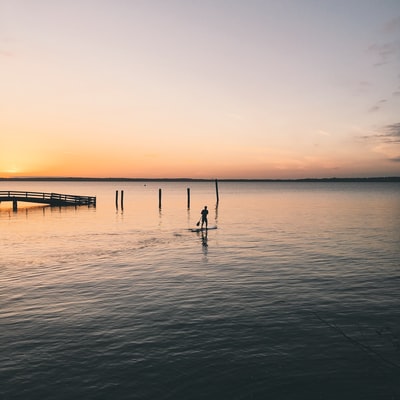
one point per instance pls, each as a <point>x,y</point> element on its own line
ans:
<point>86,179</point>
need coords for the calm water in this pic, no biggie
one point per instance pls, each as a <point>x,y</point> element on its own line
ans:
<point>294,296</point>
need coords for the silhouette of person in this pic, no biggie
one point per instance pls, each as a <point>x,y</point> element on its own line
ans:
<point>204,220</point>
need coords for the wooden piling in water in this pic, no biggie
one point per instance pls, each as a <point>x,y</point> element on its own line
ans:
<point>116,199</point>
<point>15,205</point>
<point>216,190</point>
<point>122,199</point>
<point>188,198</point>
<point>159,198</point>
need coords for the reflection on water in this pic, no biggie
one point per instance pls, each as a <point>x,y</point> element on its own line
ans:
<point>204,238</point>
<point>294,296</point>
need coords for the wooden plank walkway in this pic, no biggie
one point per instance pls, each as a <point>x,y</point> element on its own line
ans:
<point>52,199</point>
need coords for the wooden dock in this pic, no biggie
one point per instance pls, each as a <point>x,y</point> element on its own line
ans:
<point>52,199</point>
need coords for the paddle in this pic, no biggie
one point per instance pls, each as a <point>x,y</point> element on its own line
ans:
<point>198,222</point>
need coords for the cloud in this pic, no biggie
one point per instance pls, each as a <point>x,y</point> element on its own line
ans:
<point>396,93</point>
<point>386,141</point>
<point>392,26</point>
<point>390,134</point>
<point>364,84</point>
<point>235,116</point>
<point>4,53</point>
<point>363,87</point>
<point>388,51</point>
<point>377,106</point>
<point>393,132</point>
<point>385,52</point>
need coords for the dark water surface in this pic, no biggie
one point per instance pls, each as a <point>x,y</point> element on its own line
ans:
<point>294,296</point>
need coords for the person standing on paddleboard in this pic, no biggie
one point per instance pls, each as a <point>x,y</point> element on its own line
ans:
<point>204,220</point>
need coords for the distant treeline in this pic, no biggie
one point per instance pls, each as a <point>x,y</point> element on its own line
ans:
<point>83,179</point>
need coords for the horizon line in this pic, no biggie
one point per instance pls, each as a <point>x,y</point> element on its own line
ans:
<point>183,179</point>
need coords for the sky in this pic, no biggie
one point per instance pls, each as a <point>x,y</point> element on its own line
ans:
<point>254,89</point>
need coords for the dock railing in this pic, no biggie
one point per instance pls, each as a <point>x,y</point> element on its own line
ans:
<point>53,199</point>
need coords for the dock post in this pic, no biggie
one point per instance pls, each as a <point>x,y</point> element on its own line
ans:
<point>122,199</point>
<point>116,199</point>
<point>15,204</point>
<point>188,198</point>
<point>159,198</point>
<point>216,190</point>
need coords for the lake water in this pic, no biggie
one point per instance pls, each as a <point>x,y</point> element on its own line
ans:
<point>294,296</point>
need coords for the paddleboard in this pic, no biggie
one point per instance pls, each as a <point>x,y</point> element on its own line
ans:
<point>203,229</point>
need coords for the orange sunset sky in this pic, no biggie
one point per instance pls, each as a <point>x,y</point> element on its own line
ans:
<point>200,89</point>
